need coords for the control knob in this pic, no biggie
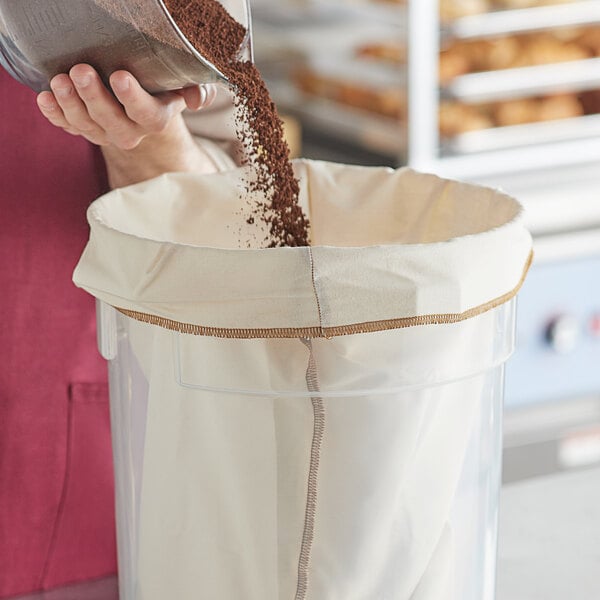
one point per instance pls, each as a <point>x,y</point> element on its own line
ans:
<point>563,333</point>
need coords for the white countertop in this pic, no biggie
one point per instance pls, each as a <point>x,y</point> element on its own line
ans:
<point>549,547</point>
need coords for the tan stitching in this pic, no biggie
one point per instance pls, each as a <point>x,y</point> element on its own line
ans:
<point>312,381</point>
<point>328,332</point>
<point>314,285</point>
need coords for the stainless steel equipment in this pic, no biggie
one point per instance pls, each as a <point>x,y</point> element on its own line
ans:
<point>41,38</point>
<point>553,381</point>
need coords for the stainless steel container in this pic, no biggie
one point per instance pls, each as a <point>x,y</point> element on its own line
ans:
<point>41,38</point>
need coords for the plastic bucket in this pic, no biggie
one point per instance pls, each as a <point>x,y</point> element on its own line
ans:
<point>404,499</point>
<point>315,422</point>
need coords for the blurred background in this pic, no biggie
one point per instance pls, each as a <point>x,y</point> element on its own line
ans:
<point>504,93</point>
<point>500,92</point>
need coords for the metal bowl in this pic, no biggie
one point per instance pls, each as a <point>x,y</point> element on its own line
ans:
<point>42,38</point>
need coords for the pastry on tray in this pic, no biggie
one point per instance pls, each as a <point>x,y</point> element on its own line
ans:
<point>386,101</point>
<point>388,51</point>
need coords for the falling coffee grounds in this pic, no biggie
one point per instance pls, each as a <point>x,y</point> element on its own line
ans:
<point>219,37</point>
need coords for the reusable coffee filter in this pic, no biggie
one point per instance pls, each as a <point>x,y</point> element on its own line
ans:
<point>309,422</point>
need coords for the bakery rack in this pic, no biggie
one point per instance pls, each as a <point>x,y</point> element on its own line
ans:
<point>415,137</point>
<point>495,151</point>
<point>550,166</point>
<point>287,34</point>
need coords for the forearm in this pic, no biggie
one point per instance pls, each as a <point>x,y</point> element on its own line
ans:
<point>172,150</point>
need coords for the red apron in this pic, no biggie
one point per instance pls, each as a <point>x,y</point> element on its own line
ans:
<point>56,480</point>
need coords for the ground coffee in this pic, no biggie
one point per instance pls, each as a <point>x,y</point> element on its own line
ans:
<point>218,37</point>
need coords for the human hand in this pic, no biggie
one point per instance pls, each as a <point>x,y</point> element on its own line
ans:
<point>141,136</point>
<point>80,104</point>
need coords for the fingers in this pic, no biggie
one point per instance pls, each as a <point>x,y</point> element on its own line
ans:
<point>197,97</point>
<point>81,104</point>
<point>211,94</point>
<point>64,108</point>
<point>103,110</point>
<point>53,112</point>
<point>152,113</point>
<point>194,96</point>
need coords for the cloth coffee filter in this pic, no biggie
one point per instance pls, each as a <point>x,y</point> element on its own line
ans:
<point>306,418</point>
<point>390,249</point>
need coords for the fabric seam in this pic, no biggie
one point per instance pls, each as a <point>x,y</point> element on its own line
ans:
<point>308,534</point>
<point>327,332</point>
<point>314,286</point>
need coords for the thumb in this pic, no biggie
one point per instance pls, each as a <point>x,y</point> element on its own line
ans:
<point>199,96</point>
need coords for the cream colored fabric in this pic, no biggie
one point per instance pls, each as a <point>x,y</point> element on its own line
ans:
<point>213,129</point>
<point>356,467</point>
<point>224,485</point>
<point>386,245</point>
<point>220,158</point>
<point>214,126</point>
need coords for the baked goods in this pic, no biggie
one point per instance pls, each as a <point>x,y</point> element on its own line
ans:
<point>496,53</point>
<point>511,52</point>
<point>589,38</point>
<point>528,3</point>
<point>460,57</point>
<point>514,112</point>
<point>456,118</point>
<point>389,51</point>
<point>387,101</point>
<point>454,61</point>
<point>590,101</point>
<point>560,106</point>
<point>454,9</point>
<point>534,110</point>
<point>541,49</point>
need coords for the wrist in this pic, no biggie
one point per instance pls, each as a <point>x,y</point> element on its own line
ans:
<point>171,150</point>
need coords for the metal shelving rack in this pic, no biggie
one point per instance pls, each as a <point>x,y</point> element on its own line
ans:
<point>498,151</point>
<point>355,127</point>
<point>538,162</point>
<point>552,166</point>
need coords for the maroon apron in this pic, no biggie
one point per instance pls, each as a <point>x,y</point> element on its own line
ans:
<point>56,479</point>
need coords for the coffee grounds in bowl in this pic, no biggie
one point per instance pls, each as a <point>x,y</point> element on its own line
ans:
<point>218,37</point>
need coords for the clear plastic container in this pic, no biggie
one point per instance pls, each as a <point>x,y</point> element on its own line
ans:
<point>41,38</point>
<point>375,477</point>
